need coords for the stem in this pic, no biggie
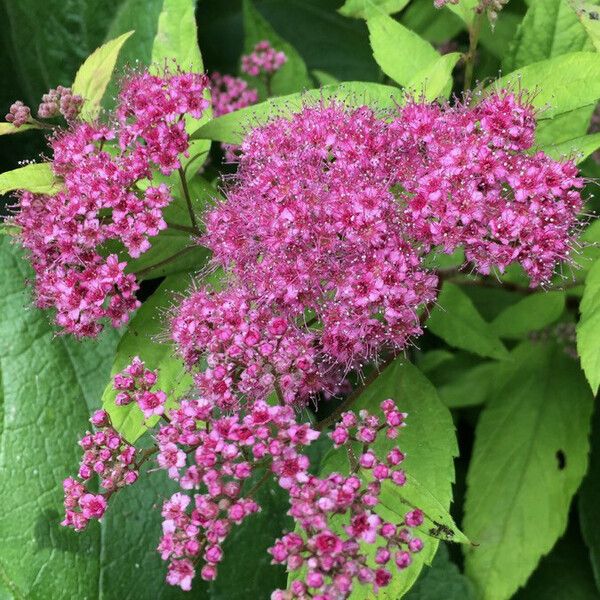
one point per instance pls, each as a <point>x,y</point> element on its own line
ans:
<point>474,31</point>
<point>259,483</point>
<point>164,262</point>
<point>185,228</point>
<point>192,159</point>
<point>146,454</point>
<point>278,392</point>
<point>188,200</point>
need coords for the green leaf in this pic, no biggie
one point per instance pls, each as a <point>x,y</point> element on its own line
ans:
<point>141,339</point>
<point>359,9</point>
<point>231,128</point>
<point>47,41</point>
<point>588,328</point>
<point>529,458</point>
<point>458,323</point>
<point>589,499</point>
<point>141,16</point>
<point>293,75</point>
<point>177,40</point>
<point>9,128</point>
<point>532,313</point>
<point>579,148</point>
<point>562,83</point>
<point>441,580</point>
<point>470,387</point>
<point>176,36</point>
<point>589,15</point>
<point>430,445</point>
<point>564,574</point>
<point>434,25</point>
<point>399,51</point>
<point>435,80</point>
<point>550,28</point>
<point>36,177</point>
<point>93,76</point>
<point>46,387</point>
<point>563,128</point>
<point>324,78</point>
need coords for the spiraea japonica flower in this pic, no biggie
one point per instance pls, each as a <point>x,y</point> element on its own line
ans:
<point>224,455</point>
<point>98,201</point>
<point>311,223</point>
<point>337,517</point>
<point>105,455</point>
<point>471,181</point>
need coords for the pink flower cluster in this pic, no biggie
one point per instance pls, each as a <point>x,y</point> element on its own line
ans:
<point>264,59</point>
<point>134,385</point>
<point>225,455</point>
<point>334,556</point>
<point>99,202</point>
<point>311,223</point>
<point>471,181</point>
<point>110,457</point>
<point>248,347</point>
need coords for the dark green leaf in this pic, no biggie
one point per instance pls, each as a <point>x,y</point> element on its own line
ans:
<point>564,574</point>
<point>441,580</point>
<point>529,458</point>
<point>246,571</point>
<point>458,323</point>
<point>45,387</point>
<point>49,40</point>
<point>532,313</point>
<point>589,499</point>
<point>293,75</point>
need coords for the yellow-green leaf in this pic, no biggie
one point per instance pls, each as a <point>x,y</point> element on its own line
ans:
<point>36,177</point>
<point>95,73</point>
<point>9,128</point>
<point>399,51</point>
<point>435,80</point>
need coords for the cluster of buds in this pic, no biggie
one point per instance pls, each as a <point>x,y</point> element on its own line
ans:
<point>60,101</point>
<point>18,114</point>
<point>264,59</point>
<point>334,556</point>
<point>134,385</point>
<point>225,454</point>
<point>107,455</point>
